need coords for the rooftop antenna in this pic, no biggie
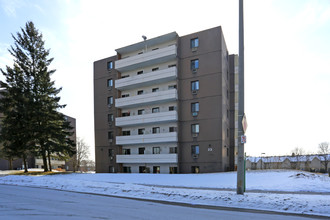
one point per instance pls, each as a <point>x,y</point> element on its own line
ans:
<point>145,43</point>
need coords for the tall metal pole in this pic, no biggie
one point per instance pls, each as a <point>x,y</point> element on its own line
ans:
<point>240,161</point>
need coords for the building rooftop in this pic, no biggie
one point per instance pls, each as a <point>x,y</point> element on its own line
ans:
<point>151,42</point>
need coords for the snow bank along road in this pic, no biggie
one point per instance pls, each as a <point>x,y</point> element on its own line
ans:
<point>202,189</point>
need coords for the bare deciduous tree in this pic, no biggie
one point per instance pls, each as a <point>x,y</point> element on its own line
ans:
<point>87,165</point>
<point>82,153</point>
<point>324,153</point>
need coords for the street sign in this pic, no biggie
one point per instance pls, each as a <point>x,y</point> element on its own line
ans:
<point>243,139</point>
<point>244,123</point>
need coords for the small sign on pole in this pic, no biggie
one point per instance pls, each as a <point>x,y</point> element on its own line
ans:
<point>243,139</point>
<point>244,123</point>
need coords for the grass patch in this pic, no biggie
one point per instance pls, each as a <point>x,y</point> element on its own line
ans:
<point>38,173</point>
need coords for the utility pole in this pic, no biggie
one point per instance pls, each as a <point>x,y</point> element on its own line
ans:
<point>241,116</point>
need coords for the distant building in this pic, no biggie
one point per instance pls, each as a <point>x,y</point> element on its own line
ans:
<point>167,105</point>
<point>300,162</point>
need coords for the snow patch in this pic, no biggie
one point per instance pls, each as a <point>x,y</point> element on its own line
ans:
<point>277,190</point>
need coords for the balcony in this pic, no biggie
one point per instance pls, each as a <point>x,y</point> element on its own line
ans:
<point>147,79</point>
<point>147,138</point>
<point>147,158</point>
<point>161,117</point>
<point>147,59</point>
<point>53,162</point>
<point>149,98</point>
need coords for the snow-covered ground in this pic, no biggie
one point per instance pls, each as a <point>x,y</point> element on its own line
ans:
<point>276,190</point>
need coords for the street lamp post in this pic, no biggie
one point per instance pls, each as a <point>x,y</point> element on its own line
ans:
<point>241,115</point>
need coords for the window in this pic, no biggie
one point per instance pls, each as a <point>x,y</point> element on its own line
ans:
<point>126,133</point>
<point>173,170</point>
<point>110,100</point>
<point>194,64</point>
<point>110,153</point>
<point>156,150</point>
<point>126,151</point>
<point>140,92</point>
<point>141,131</point>
<point>155,49</point>
<point>110,83</point>
<point>110,135</point>
<point>171,65</point>
<point>155,130</point>
<point>110,65</point>
<point>171,108</point>
<point>143,169</point>
<point>173,150</point>
<point>194,149</point>
<point>195,107</point>
<point>125,114</point>
<point>194,43</point>
<point>155,110</point>
<point>195,169</point>
<point>125,76</point>
<point>140,52</point>
<point>195,128</point>
<point>227,132</point>
<point>227,151</point>
<point>155,69</point>
<point>155,89</point>
<point>172,87</point>
<point>156,169</point>
<point>141,112</point>
<point>172,129</point>
<point>110,117</point>
<point>124,95</point>
<point>140,72</point>
<point>141,150</point>
<point>195,85</point>
<point>126,169</point>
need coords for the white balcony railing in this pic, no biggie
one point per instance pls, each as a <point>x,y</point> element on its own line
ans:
<point>147,59</point>
<point>149,98</point>
<point>53,162</point>
<point>147,138</point>
<point>147,79</point>
<point>147,158</point>
<point>161,117</point>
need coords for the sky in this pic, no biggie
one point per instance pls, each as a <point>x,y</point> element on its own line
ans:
<point>287,56</point>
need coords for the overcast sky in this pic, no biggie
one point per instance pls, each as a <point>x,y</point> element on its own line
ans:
<point>287,56</point>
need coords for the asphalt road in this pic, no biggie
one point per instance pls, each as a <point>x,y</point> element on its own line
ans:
<point>18,202</point>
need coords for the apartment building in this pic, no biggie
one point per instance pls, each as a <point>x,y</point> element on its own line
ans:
<point>167,105</point>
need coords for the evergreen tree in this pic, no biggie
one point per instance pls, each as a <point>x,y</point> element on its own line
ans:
<point>15,136</point>
<point>32,94</point>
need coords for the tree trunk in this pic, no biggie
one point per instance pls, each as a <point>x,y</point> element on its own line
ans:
<point>74,163</point>
<point>25,166</point>
<point>44,158</point>
<point>50,163</point>
<point>10,163</point>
